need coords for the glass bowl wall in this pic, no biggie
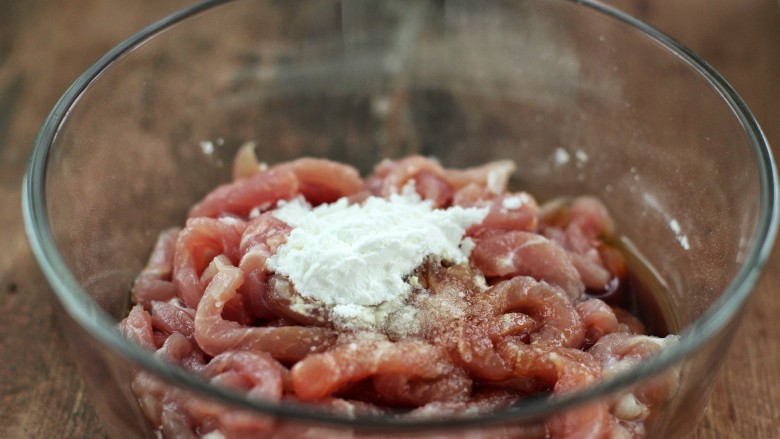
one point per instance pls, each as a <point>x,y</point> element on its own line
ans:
<point>584,99</point>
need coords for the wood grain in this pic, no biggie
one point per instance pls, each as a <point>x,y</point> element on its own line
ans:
<point>45,44</point>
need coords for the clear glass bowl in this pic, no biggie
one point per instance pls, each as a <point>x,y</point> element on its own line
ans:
<point>585,99</point>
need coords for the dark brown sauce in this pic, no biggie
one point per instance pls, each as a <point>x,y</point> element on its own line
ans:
<point>650,297</point>
<point>641,292</point>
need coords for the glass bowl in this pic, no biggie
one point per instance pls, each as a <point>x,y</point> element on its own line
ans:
<point>585,99</point>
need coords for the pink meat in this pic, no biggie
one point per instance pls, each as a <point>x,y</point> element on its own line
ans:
<point>590,218</point>
<point>199,242</point>
<point>591,270</point>
<point>627,322</point>
<point>619,352</point>
<point>180,350</point>
<point>526,328</point>
<point>264,375</point>
<point>265,233</point>
<point>493,176</point>
<point>519,253</point>
<point>599,319</point>
<point>566,370</point>
<point>322,181</point>
<point>390,176</point>
<point>240,197</point>
<point>280,298</point>
<point>402,390</point>
<point>433,187</point>
<point>176,423</point>
<point>154,282</point>
<point>170,318</point>
<point>499,217</point>
<point>470,346</point>
<point>320,375</point>
<point>260,240</point>
<point>245,162</point>
<point>557,320</point>
<point>580,229</point>
<point>216,335</point>
<point>137,326</point>
<point>482,403</point>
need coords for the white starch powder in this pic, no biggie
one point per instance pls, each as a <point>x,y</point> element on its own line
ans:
<point>354,258</point>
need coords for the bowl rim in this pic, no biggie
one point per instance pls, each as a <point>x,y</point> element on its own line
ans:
<point>91,318</point>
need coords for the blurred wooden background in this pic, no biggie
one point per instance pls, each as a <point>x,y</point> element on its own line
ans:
<point>45,45</point>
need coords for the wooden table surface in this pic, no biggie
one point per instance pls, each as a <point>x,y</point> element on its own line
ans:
<point>45,44</point>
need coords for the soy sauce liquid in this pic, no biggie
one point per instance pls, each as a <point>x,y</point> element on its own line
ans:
<point>642,292</point>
